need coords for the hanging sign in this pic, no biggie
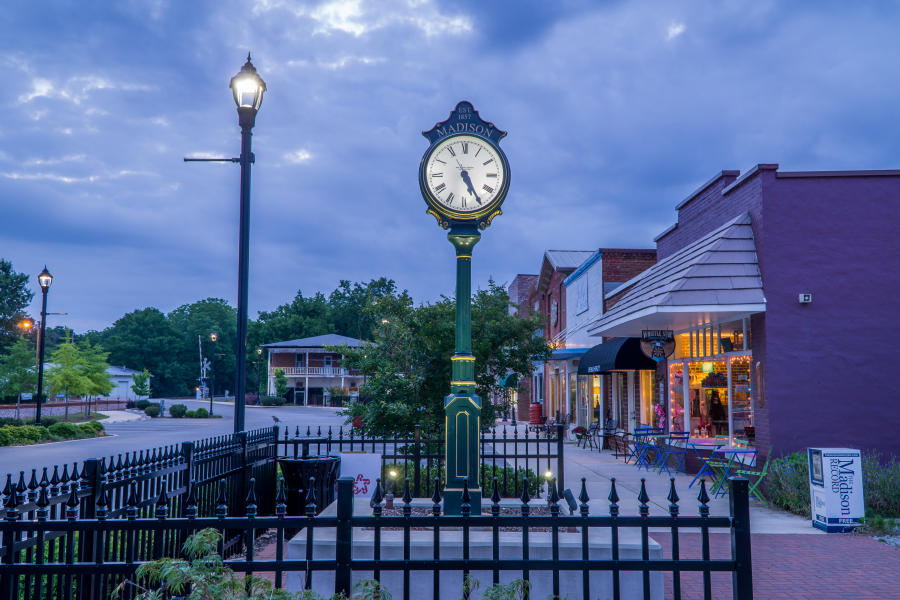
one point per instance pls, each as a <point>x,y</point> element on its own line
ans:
<point>658,344</point>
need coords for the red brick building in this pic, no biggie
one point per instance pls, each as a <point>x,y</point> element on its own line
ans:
<point>312,370</point>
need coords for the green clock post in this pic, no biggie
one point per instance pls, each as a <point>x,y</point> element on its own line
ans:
<point>464,178</point>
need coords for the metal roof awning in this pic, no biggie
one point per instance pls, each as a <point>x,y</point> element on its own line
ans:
<point>567,353</point>
<point>621,354</point>
<point>712,280</point>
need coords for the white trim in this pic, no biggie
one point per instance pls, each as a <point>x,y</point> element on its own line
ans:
<point>746,309</point>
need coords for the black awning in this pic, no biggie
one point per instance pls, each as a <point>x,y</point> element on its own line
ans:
<point>621,354</point>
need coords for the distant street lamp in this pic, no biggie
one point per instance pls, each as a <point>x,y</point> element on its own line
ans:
<point>248,88</point>
<point>45,280</point>
<point>213,337</point>
<point>258,378</point>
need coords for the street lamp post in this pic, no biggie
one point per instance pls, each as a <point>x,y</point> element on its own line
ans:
<point>45,280</point>
<point>258,379</point>
<point>247,87</point>
<point>213,337</point>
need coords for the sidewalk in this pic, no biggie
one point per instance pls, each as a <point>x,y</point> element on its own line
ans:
<point>599,467</point>
<point>122,416</point>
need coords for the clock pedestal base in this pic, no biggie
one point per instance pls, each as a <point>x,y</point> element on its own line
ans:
<point>453,502</point>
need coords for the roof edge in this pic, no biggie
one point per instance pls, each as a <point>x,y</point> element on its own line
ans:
<point>705,186</point>
<point>862,173</point>
<point>749,175</point>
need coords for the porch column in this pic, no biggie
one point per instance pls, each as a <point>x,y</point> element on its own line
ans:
<point>306,381</point>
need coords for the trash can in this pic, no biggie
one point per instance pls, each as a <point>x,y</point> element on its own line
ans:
<point>297,472</point>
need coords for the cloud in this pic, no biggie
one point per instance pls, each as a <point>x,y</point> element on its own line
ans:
<point>674,30</point>
<point>39,162</point>
<point>75,89</point>
<point>299,156</point>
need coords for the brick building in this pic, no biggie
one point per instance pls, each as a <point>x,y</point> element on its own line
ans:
<point>780,288</point>
<point>313,370</point>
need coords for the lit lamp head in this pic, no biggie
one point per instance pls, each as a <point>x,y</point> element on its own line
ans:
<point>247,87</point>
<point>259,351</point>
<point>45,279</point>
<point>548,475</point>
<point>26,324</point>
<point>214,337</point>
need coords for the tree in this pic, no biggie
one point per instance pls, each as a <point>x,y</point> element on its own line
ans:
<point>408,367</point>
<point>146,340</point>
<point>349,304</point>
<point>14,299</point>
<point>67,375</point>
<point>200,319</point>
<point>94,366</point>
<point>281,383</point>
<point>17,370</point>
<point>141,385</point>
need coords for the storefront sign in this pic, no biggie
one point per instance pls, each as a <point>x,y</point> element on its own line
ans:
<point>835,489</point>
<point>658,344</point>
<point>364,468</point>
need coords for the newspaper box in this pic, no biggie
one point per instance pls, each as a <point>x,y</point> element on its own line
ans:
<point>835,489</point>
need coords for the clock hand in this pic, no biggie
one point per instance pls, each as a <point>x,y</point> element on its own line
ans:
<point>468,182</point>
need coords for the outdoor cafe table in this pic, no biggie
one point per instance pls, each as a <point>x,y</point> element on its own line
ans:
<point>695,444</point>
<point>743,456</point>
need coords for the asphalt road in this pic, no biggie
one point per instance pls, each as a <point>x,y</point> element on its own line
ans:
<point>138,435</point>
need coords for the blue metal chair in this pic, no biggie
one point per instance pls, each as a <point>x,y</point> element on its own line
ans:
<point>643,436</point>
<point>676,446</point>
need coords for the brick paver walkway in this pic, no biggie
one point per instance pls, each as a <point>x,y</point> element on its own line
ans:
<point>798,567</point>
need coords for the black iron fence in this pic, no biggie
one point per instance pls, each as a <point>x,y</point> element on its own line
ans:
<point>577,555</point>
<point>508,453</point>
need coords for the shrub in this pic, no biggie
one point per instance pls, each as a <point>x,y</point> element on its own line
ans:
<point>142,404</point>
<point>9,421</point>
<point>177,411</point>
<point>152,410</point>
<point>96,426</point>
<point>509,480</point>
<point>85,430</point>
<point>26,434</point>
<point>787,485</point>
<point>47,421</point>
<point>66,431</point>
<point>201,413</point>
<point>4,437</point>
<point>271,400</point>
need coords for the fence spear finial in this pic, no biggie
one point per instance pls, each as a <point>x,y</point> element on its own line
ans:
<point>465,506</point>
<point>613,498</point>
<point>250,501</point>
<point>703,498</point>
<point>643,498</point>
<point>162,504</point>
<point>190,508</point>
<point>72,504</point>
<point>221,501</point>
<point>495,499</point>
<point>311,498</point>
<point>584,498</point>
<point>672,498</point>
<point>407,499</point>
<point>280,499</point>
<point>436,498</point>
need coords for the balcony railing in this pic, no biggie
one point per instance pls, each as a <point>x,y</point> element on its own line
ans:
<point>313,371</point>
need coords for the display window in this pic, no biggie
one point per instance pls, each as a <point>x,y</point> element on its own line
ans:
<point>676,396</point>
<point>596,398</point>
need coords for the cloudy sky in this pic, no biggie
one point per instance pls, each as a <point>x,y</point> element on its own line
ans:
<point>615,112</point>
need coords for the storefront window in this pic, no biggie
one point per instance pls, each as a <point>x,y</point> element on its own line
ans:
<point>648,400</point>
<point>595,398</point>
<point>708,389</point>
<point>621,384</point>
<point>742,415</point>
<point>676,396</point>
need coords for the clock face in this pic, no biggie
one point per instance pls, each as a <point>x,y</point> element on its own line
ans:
<point>464,174</point>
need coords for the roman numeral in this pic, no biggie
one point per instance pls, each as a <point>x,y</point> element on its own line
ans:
<point>450,149</point>
<point>441,175</point>
<point>488,161</point>
<point>440,161</point>
<point>491,174</point>
<point>479,150</point>
<point>465,147</point>
<point>463,198</point>
<point>450,198</point>
<point>440,188</point>
<point>488,189</point>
